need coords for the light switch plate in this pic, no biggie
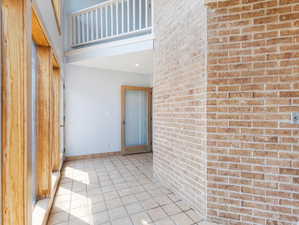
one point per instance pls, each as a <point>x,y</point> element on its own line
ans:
<point>295,117</point>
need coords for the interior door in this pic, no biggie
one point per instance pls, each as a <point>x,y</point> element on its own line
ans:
<point>136,127</point>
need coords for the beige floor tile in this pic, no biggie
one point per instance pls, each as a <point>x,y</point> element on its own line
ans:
<point>138,189</point>
<point>62,204</point>
<point>80,221</point>
<point>81,212</point>
<point>78,203</point>
<point>207,223</point>
<point>150,204</point>
<point>94,191</point>
<point>182,219</point>
<point>93,199</point>
<point>125,192</point>
<point>134,208</point>
<point>66,223</point>
<point>165,222</point>
<point>173,197</point>
<point>171,209</point>
<point>129,199</point>
<point>143,196</point>
<point>141,219</point>
<point>162,200</point>
<point>122,221</point>
<point>157,214</point>
<point>100,218</point>
<point>63,192</point>
<point>106,183</point>
<point>114,203</point>
<point>111,195</point>
<point>79,194</point>
<point>58,218</point>
<point>117,191</point>
<point>194,215</point>
<point>59,209</point>
<point>183,205</point>
<point>93,187</point>
<point>117,213</point>
<point>156,192</point>
<point>98,207</point>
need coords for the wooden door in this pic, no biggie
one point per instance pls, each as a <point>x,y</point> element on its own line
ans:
<point>136,119</point>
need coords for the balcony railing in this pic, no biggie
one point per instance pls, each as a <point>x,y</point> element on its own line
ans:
<point>111,20</point>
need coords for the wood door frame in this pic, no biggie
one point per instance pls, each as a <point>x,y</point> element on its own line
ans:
<point>48,156</point>
<point>16,203</point>
<point>1,152</point>
<point>56,161</point>
<point>44,124</point>
<point>140,148</point>
<point>1,49</point>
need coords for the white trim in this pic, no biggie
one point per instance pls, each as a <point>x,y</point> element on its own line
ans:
<point>99,51</point>
<point>110,44</point>
<point>111,37</point>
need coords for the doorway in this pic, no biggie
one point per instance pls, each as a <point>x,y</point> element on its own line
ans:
<point>136,119</point>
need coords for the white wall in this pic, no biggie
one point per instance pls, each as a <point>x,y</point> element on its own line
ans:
<point>75,5</point>
<point>93,115</point>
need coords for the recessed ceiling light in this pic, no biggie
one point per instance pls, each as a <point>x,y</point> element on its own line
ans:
<point>136,64</point>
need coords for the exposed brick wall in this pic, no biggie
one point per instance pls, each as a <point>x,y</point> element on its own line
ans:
<point>179,98</point>
<point>253,87</point>
<point>238,116</point>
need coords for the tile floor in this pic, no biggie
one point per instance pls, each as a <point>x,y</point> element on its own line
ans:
<point>117,191</point>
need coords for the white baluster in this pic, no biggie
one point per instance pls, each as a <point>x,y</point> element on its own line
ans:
<point>134,14</point>
<point>97,25</point>
<point>128,15</point>
<point>106,14</point>
<point>82,28</point>
<point>146,13</point>
<point>92,25</point>
<point>87,27</point>
<point>152,15</point>
<point>72,20</point>
<point>117,32</point>
<point>111,18</point>
<point>140,2</point>
<point>123,16</point>
<point>78,30</point>
<point>102,24</point>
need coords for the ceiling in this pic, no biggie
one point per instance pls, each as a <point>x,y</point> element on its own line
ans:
<point>135,62</point>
